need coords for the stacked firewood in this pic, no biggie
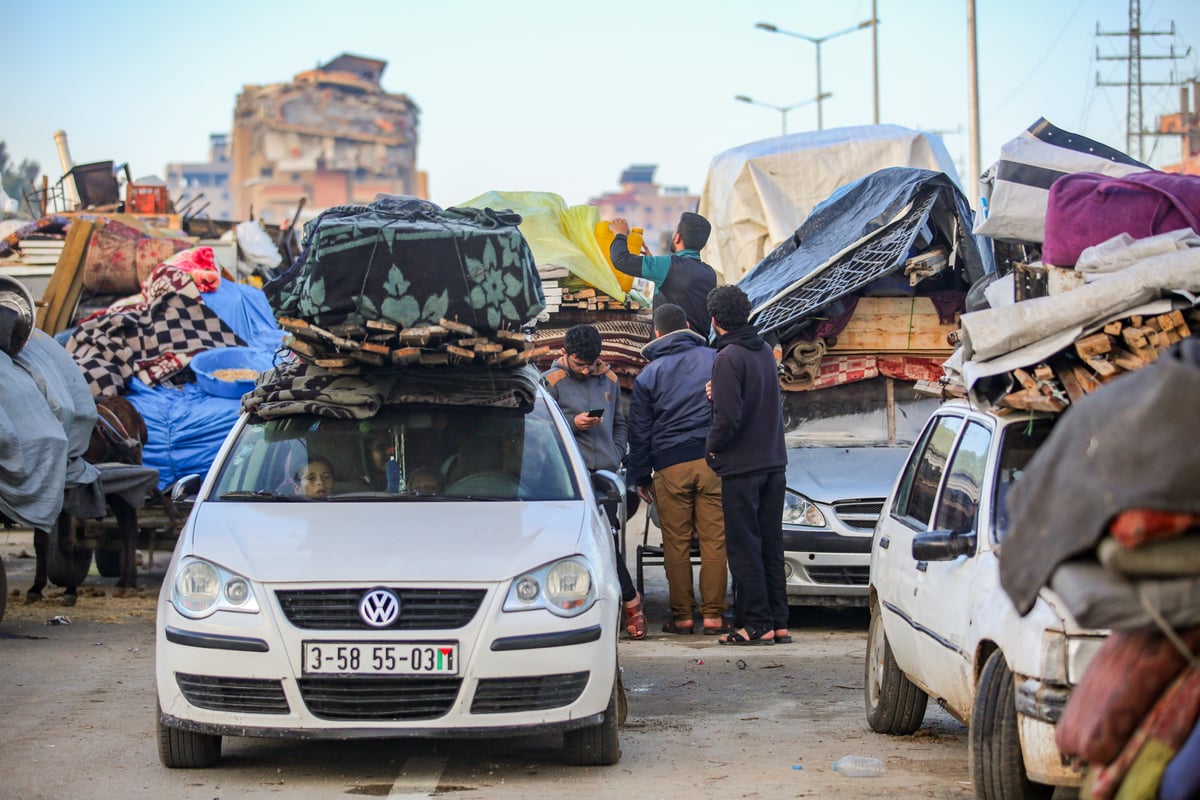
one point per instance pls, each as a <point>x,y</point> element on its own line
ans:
<point>346,349</point>
<point>591,300</point>
<point>1121,346</point>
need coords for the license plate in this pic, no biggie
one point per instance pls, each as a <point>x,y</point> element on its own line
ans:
<point>380,658</point>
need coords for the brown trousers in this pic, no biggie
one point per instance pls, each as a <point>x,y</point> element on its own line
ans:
<point>688,496</point>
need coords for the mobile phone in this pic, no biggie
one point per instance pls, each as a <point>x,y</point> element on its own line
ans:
<point>596,412</point>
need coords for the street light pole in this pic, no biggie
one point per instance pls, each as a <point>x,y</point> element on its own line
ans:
<point>875,61</point>
<point>818,41</point>
<point>783,110</point>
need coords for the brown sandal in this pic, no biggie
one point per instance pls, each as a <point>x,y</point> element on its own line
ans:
<point>635,619</point>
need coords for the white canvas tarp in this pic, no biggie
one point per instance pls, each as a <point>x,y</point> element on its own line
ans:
<point>758,194</point>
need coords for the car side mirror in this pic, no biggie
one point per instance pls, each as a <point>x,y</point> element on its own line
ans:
<point>185,489</point>
<point>942,545</point>
<point>610,492</point>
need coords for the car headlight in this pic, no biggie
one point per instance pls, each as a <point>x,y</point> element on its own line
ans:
<point>202,588</point>
<point>565,588</point>
<point>799,510</point>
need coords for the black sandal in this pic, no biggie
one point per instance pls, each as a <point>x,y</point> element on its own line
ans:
<point>750,638</point>
<point>673,626</point>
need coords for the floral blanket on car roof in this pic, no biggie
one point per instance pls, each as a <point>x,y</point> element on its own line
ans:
<point>409,262</point>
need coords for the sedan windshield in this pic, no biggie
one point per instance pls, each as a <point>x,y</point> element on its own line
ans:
<point>404,453</point>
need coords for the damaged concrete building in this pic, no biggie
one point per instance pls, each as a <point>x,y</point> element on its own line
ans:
<point>332,136</point>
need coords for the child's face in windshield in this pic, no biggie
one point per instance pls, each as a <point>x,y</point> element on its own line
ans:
<point>316,479</point>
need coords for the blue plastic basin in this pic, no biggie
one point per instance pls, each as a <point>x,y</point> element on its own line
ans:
<point>208,362</point>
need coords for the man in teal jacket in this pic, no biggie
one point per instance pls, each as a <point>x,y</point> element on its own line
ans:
<point>680,278</point>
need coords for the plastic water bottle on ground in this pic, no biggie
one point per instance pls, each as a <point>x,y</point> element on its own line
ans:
<point>858,767</point>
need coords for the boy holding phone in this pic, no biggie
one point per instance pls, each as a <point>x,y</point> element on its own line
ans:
<point>589,395</point>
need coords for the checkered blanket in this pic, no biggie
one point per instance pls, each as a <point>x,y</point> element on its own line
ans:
<point>151,339</point>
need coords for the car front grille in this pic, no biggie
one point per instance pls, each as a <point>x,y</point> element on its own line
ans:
<point>370,699</point>
<point>420,609</point>
<point>246,695</point>
<point>860,514</point>
<point>504,695</point>
<point>853,576</point>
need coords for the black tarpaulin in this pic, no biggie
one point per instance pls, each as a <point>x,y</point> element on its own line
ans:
<point>863,231</point>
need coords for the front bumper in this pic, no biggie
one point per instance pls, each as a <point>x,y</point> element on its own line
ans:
<point>826,567</point>
<point>1039,707</point>
<point>531,671</point>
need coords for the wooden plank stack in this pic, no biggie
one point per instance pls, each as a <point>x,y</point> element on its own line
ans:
<point>1121,346</point>
<point>347,349</point>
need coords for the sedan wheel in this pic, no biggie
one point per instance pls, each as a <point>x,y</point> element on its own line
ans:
<point>895,704</point>
<point>180,749</point>
<point>997,766</point>
<point>597,745</point>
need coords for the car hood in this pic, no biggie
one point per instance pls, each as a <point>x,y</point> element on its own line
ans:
<point>830,474</point>
<point>468,541</point>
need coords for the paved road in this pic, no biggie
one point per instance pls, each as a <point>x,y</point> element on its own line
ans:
<point>78,708</point>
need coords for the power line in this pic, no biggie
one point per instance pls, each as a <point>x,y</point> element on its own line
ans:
<point>1133,83</point>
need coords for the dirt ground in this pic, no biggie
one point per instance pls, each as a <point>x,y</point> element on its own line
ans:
<point>704,721</point>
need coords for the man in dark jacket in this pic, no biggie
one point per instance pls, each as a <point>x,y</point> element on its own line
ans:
<point>746,448</point>
<point>668,423</point>
<point>680,278</point>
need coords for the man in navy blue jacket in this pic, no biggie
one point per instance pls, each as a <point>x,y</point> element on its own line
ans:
<point>668,425</point>
<point>746,448</point>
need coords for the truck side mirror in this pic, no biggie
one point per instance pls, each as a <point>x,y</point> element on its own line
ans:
<point>943,545</point>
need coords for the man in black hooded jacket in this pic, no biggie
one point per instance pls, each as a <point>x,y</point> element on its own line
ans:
<point>745,447</point>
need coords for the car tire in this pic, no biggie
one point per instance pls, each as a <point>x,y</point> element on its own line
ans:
<point>596,745</point>
<point>997,766</point>
<point>108,563</point>
<point>895,705</point>
<point>180,749</point>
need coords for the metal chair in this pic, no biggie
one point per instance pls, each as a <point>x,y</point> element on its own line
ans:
<point>647,554</point>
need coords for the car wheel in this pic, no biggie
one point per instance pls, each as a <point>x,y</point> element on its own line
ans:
<point>108,563</point>
<point>895,704</point>
<point>596,745</point>
<point>180,749</point>
<point>997,766</point>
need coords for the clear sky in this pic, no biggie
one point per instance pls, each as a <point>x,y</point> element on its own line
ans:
<point>560,95</point>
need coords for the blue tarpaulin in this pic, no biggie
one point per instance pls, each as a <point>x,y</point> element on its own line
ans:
<point>186,426</point>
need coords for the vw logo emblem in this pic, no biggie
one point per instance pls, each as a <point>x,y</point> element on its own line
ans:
<point>379,608</point>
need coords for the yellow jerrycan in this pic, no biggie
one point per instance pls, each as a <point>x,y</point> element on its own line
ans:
<point>604,237</point>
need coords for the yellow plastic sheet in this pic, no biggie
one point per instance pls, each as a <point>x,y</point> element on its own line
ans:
<point>558,234</point>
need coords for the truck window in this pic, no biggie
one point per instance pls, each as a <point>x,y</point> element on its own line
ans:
<point>1019,444</point>
<point>918,487</point>
<point>958,506</point>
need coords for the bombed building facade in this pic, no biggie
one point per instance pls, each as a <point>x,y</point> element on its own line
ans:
<point>332,136</point>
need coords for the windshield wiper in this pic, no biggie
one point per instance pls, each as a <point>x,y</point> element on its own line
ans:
<point>262,495</point>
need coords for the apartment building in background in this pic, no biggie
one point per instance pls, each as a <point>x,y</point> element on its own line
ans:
<point>203,190</point>
<point>332,136</point>
<point>647,205</point>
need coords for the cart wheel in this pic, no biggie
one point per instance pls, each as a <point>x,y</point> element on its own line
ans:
<point>108,563</point>
<point>3,590</point>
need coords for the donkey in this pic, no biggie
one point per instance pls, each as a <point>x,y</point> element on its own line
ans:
<point>118,436</point>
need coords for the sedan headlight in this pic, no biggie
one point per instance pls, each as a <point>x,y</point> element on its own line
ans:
<point>799,510</point>
<point>565,588</point>
<point>201,588</point>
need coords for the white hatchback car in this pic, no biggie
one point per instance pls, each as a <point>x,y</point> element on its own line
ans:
<point>461,584</point>
<point>941,625</point>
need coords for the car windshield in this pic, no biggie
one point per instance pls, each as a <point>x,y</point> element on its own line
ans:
<point>1019,444</point>
<point>855,415</point>
<point>404,453</point>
